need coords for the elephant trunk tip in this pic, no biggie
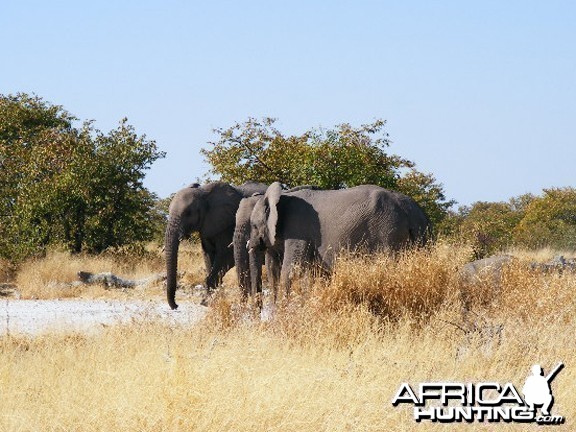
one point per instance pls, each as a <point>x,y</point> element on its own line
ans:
<point>172,304</point>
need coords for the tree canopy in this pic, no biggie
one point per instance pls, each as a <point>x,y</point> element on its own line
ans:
<point>345,156</point>
<point>528,221</point>
<point>67,184</point>
<point>549,220</point>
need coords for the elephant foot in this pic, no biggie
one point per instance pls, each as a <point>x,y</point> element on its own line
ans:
<point>208,297</point>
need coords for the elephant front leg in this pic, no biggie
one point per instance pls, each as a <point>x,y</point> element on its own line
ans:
<point>209,253</point>
<point>208,263</point>
<point>256,259</point>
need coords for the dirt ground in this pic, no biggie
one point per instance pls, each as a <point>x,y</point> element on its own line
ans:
<point>39,316</point>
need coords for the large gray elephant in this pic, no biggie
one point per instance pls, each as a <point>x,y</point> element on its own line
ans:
<point>209,210</point>
<point>249,261</point>
<point>312,226</point>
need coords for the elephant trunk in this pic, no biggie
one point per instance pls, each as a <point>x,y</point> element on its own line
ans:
<point>241,260</point>
<point>172,241</point>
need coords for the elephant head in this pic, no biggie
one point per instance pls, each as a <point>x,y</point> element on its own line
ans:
<point>264,218</point>
<point>264,243</point>
<point>209,210</point>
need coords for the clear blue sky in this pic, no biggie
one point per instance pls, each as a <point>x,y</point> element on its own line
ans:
<point>480,93</point>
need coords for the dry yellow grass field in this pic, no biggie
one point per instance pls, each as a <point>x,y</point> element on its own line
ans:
<point>330,359</point>
<point>53,276</point>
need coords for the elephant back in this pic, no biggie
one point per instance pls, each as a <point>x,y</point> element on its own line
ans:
<point>250,188</point>
<point>365,216</point>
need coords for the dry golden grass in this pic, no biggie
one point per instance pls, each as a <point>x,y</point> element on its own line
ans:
<point>6,271</point>
<point>331,359</point>
<point>53,276</point>
<point>540,255</point>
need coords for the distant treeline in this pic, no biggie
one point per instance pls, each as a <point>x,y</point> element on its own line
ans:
<point>527,221</point>
<point>65,183</point>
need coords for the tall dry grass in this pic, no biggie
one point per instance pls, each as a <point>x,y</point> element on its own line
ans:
<point>6,271</point>
<point>330,359</point>
<point>56,274</point>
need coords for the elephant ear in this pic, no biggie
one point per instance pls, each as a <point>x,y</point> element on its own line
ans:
<point>271,199</point>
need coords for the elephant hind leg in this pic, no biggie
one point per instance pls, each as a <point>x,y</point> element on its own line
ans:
<point>273,272</point>
<point>286,276</point>
<point>297,256</point>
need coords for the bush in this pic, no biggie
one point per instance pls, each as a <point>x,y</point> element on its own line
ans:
<point>70,186</point>
<point>549,221</point>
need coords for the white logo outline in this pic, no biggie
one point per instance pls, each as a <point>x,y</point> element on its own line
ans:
<point>471,402</point>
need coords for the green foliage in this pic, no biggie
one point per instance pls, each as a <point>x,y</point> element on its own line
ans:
<point>331,159</point>
<point>528,221</point>
<point>549,221</point>
<point>489,226</point>
<point>67,185</point>
<point>159,218</point>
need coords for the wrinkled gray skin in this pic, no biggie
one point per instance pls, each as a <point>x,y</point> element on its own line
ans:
<point>248,261</point>
<point>209,210</point>
<point>312,226</point>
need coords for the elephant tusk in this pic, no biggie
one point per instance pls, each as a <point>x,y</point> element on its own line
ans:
<point>250,250</point>
<point>230,245</point>
<point>248,244</point>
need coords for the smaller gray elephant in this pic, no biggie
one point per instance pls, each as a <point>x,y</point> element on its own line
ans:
<point>249,260</point>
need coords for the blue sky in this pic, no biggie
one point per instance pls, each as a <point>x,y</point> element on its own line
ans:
<point>480,93</point>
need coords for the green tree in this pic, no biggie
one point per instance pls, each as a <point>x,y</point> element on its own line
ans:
<point>549,220</point>
<point>34,137</point>
<point>121,209</point>
<point>331,159</point>
<point>487,226</point>
<point>67,185</point>
<point>159,218</point>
